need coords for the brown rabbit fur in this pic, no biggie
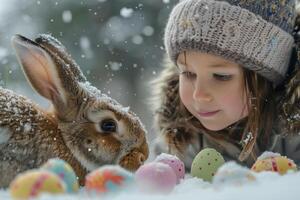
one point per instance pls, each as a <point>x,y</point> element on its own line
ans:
<point>85,127</point>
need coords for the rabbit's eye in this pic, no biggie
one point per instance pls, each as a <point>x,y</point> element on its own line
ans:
<point>108,125</point>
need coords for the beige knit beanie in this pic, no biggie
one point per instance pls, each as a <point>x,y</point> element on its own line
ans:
<point>255,34</point>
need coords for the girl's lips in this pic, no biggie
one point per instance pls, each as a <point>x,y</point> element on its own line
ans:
<point>208,114</point>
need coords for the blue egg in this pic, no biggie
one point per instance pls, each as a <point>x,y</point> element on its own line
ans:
<point>64,171</point>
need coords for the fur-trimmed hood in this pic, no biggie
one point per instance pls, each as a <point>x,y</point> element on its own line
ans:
<point>179,132</point>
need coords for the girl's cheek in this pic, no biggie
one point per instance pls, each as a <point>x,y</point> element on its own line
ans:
<point>234,104</point>
<point>185,92</point>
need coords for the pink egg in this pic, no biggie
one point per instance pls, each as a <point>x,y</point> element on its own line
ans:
<point>175,163</point>
<point>155,177</point>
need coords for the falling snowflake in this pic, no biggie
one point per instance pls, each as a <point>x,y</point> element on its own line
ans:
<point>115,66</point>
<point>148,31</point>
<point>3,52</point>
<point>85,45</point>
<point>126,12</point>
<point>137,39</point>
<point>67,16</point>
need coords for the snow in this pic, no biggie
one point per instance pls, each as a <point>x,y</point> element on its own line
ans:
<point>233,174</point>
<point>126,109</point>
<point>115,66</point>
<point>148,30</point>
<point>248,138</point>
<point>14,104</point>
<point>3,53</point>
<point>118,29</point>
<point>126,12</point>
<point>67,16</point>
<point>165,156</point>
<point>269,186</point>
<point>85,45</point>
<point>137,39</point>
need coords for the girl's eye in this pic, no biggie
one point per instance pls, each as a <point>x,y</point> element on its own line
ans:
<point>188,75</point>
<point>108,125</point>
<point>222,77</point>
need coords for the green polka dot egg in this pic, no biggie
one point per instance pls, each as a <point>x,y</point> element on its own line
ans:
<point>206,164</point>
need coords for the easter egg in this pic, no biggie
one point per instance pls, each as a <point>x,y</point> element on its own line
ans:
<point>232,173</point>
<point>269,161</point>
<point>175,163</point>
<point>108,179</point>
<point>32,183</point>
<point>206,164</point>
<point>64,171</point>
<point>155,177</point>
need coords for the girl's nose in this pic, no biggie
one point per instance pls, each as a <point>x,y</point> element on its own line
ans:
<point>201,93</point>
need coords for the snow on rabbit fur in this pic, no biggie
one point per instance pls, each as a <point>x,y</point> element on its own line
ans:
<point>86,128</point>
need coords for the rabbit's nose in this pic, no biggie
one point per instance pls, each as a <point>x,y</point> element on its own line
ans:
<point>141,158</point>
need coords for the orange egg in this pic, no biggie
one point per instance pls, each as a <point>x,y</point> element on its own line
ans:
<point>280,164</point>
<point>34,182</point>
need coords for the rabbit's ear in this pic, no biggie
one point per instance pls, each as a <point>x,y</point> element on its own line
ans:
<point>54,46</point>
<point>48,74</point>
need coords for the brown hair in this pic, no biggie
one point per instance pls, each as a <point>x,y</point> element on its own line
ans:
<point>261,112</point>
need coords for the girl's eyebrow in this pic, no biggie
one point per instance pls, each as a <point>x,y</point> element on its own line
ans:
<point>218,65</point>
<point>214,65</point>
<point>224,64</point>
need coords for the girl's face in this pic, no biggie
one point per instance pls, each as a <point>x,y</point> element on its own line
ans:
<point>212,89</point>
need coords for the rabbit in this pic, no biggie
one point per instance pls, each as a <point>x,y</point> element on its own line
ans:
<point>84,127</point>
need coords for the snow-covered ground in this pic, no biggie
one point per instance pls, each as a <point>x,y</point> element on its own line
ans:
<point>268,186</point>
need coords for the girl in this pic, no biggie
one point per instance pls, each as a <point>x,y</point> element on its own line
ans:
<point>231,80</point>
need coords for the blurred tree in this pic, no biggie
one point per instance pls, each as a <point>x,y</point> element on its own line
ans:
<point>117,43</point>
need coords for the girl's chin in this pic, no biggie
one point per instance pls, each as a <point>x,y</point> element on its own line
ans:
<point>214,126</point>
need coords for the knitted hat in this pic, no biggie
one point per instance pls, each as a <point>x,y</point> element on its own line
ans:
<point>255,34</point>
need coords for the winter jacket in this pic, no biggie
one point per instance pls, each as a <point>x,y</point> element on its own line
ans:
<point>178,132</point>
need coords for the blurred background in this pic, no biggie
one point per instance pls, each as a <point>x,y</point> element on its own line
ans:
<point>117,43</point>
